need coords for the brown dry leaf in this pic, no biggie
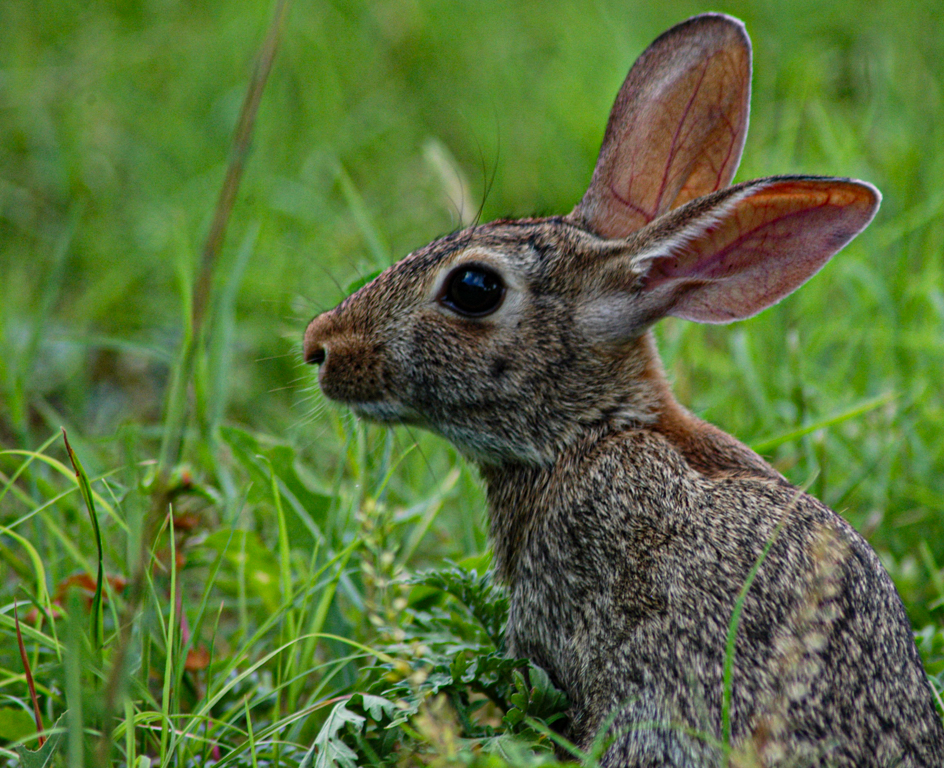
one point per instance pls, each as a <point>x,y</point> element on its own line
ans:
<point>197,658</point>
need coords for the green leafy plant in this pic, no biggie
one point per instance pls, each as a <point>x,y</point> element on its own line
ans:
<point>442,685</point>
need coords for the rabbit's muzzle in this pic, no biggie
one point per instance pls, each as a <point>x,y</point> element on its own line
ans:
<point>351,369</point>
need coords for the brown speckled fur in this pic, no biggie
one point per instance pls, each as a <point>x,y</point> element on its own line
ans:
<point>624,527</point>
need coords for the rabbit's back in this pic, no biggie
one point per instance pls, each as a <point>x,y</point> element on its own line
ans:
<point>625,578</point>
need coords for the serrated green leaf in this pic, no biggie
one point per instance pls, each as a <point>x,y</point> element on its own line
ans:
<point>461,659</point>
<point>519,681</point>
<point>328,749</point>
<point>459,666</point>
<point>437,681</point>
<point>43,757</point>
<point>376,706</point>
<point>485,601</point>
<point>513,717</point>
<point>546,699</point>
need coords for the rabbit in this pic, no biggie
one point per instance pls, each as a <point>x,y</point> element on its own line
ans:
<point>634,538</point>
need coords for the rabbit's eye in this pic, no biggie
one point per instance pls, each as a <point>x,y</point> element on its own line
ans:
<point>473,291</point>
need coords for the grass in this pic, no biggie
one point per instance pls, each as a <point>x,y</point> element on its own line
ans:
<point>259,547</point>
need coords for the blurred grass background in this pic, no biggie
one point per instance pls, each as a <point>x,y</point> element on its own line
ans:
<point>381,125</point>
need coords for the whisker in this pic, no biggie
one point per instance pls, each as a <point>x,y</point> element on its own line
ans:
<point>422,453</point>
<point>275,357</point>
<point>333,279</point>
<point>489,181</point>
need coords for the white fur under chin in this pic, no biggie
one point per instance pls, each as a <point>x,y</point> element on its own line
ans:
<point>386,412</point>
<point>483,448</point>
<point>488,449</point>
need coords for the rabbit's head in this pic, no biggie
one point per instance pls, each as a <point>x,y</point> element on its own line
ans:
<point>512,338</point>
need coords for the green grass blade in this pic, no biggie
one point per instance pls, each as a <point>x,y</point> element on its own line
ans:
<point>763,446</point>
<point>97,619</point>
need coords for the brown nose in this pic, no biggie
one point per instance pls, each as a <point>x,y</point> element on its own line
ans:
<point>315,355</point>
<point>351,363</point>
<point>313,346</point>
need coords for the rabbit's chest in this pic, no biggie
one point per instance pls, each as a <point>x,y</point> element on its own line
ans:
<point>582,588</point>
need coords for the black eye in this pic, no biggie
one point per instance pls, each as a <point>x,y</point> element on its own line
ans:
<point>473,290</point>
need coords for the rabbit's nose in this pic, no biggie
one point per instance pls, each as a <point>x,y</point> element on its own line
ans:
<point>314,354</point>
<point>315,343</point>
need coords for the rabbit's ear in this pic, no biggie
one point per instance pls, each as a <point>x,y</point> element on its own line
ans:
<point>728,255</point>
<point>677,127</point>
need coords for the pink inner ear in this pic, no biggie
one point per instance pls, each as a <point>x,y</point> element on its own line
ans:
<point>676,129</point>
<point>761,248</point>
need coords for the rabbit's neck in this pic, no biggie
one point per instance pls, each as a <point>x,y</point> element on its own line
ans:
<point>519,493</point>
<point>707,449</point>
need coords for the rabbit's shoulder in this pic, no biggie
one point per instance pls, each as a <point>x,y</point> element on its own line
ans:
<point>638,492</point>
<point>626,531</point>
<point>629,576</point>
